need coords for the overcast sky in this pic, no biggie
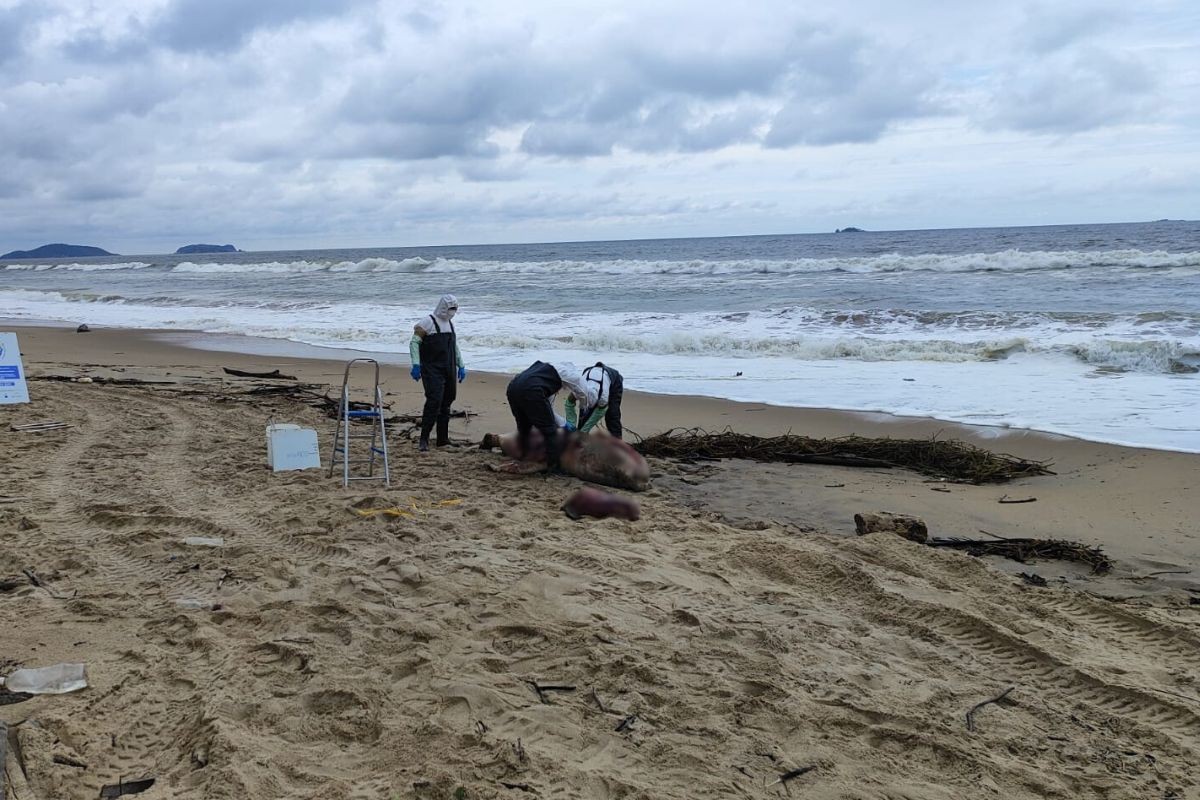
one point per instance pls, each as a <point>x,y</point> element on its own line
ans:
<point>141,125</point>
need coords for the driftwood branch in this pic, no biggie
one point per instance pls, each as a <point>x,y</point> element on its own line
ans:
<point>795,773</point>
<point>912,528</point>
<point>35,427</point>
<point>101,381</point>
<point>835,461</point>
<point>39,583</point>
<point>541,689</point>
<point>272,375</point>
<point>123,788</point>
<point>3,759</point>
<point>521,787</point>
<point>989,701</point>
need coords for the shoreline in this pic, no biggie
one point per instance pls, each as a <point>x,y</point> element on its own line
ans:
<point>845,420</point>
<point>1138,503</point>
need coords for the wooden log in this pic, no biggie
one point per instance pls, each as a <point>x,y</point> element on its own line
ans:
<point>18,786</point>
<point>273,374</point>
<point>911,528</point>
<point>33,744</point>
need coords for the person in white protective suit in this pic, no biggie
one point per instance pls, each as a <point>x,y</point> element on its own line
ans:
<point>436,362</point>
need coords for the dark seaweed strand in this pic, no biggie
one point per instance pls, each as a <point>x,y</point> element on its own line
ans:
<point>1029,549</point>
<point>942,458</point>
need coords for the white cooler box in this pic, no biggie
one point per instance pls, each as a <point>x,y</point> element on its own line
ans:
<point>292,447</point>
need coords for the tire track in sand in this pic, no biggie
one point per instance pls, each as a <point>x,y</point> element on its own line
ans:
<point>979,641</point>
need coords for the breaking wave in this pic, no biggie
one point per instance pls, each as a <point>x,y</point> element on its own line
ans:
<point>1006,261</point>
<point>1131,356</point>
<point>75,267</point>
<point>1147,342</point>
<point>1003,261</point>
<point>283,267</point>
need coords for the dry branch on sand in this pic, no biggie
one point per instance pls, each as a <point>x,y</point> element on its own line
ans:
<point>942,458</point>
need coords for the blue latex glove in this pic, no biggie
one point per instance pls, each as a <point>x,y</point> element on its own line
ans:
<point>462,374</point>
<point>416,372</point>
<point>568,427</point>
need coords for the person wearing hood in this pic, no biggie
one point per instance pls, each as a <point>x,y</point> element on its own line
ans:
<point>531,398</point>
<point>435,361</point>
<point>607,386</point>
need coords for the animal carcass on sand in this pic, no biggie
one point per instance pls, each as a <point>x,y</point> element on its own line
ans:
<point>595,457</point>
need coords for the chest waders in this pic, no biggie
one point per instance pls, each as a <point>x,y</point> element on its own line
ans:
<point>590,376</point>
<point>616,388</point>
<point>438,369</point>
<point>529,398</point>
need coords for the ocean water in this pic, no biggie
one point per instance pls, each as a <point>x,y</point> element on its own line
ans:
<point>1085,330</point>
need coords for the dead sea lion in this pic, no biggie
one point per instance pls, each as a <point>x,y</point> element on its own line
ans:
<point>595,503</point>
<point>595,457</point>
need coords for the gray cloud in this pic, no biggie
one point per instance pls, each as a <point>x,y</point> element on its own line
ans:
<point>224,25</point>
<point>496,89</point>
<point>675,104</point>
<point>647,95</point>
<point>407,142</point>
<point>422,22</point>
<point>16,28</point>
<point>845,89</point>
<point>699,70</point>
<point>1074,92</point>
<point>99,187</point>
<point>571,138</point>
<point>93,44</point>
<point>1048,28</point>
<point>489,171</point>
<point>678,126</point>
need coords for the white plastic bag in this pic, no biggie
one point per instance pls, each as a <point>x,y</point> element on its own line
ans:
<point>57,679</point>
<point>205,541</point>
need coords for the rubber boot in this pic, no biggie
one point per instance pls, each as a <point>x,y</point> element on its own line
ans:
<point>423,444</point>
<point>443,433</point>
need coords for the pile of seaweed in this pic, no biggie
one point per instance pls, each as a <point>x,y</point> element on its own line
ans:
<point>940,458</point>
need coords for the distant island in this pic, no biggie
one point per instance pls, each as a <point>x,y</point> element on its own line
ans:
<point>188,249</point>
<point>59,251</point>
<point>849,230</point>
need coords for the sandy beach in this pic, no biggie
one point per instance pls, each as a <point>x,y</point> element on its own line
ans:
<point>737,633</point>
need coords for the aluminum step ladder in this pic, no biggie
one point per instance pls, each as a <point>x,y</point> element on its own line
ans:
<point>344,434</point>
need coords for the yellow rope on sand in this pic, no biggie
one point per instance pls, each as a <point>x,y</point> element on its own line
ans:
<point>413,509</point>
<point>391,512</point>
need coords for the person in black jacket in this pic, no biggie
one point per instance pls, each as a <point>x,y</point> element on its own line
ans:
<point>531,399</point>
<point>435,361</point>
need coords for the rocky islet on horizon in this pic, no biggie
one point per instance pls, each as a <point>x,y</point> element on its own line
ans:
<point>59,251</point>
<point>189,249</point>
